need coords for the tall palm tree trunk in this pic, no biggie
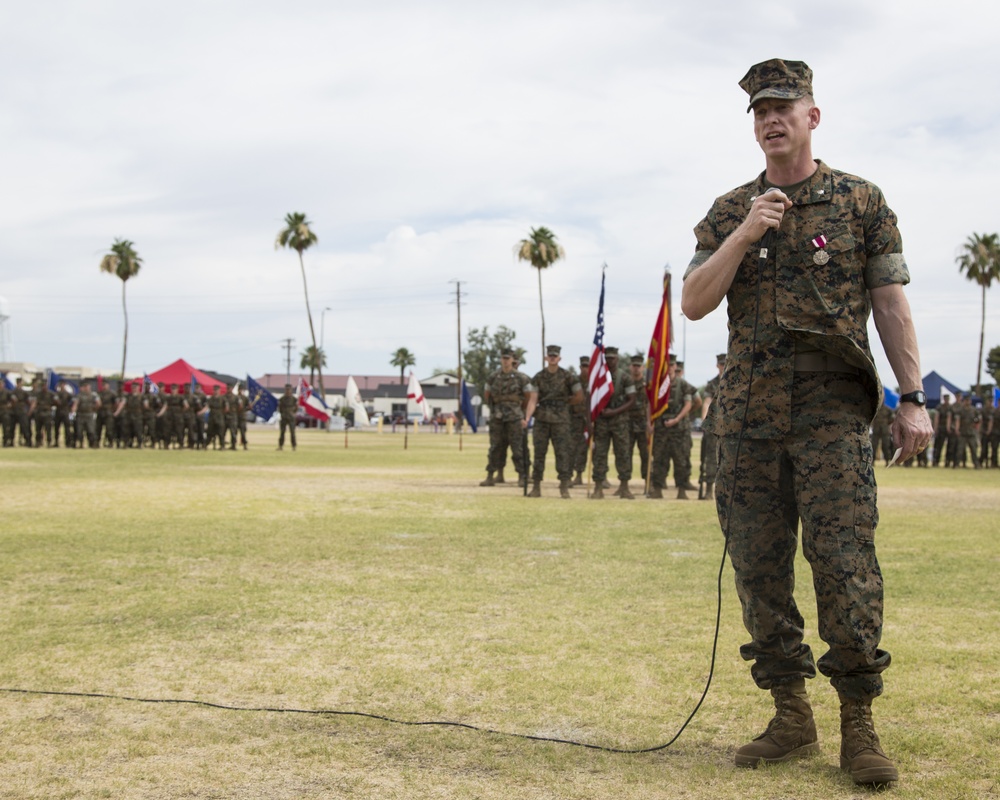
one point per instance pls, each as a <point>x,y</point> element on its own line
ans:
<point>982,336</point>
<point>125,338</point>
<point>312,330</point>
<point>542,310</point>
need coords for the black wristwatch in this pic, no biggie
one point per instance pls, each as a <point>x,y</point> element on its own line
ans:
<point>917,398</point>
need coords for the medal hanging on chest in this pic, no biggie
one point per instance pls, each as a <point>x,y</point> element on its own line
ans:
<point>820,257</point>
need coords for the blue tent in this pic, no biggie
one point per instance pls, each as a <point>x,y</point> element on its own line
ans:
<point>933,384</point>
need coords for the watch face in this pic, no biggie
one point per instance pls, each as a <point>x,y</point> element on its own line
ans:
<point>918,398</point>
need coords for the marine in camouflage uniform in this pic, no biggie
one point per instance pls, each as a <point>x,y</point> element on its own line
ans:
<point>612,428</point>
<point>215,430</point>
<point>685,426</point>
<point>129,415</point>
<point>881,438</point>
<point>506,391</point>
<point>579,424</point>
<point>43,401</point>
<point>709,441</point>
<point>106,422</point>
<point>288,405</point>
<point>554,388</point>
<point>800,347</point>
<point>6,426</point>
<point>991,436</point>
<point>197,402</point>
<point>966,421</point>
<point>62,405</point>
<point>670,438</point>
<point>86,407</point>
<point>20,413</point>
<point>638,416</point>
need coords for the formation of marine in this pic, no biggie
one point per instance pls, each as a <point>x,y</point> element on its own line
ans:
<point>155,416</point>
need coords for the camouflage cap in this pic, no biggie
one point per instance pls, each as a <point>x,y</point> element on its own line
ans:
<point>637,361</point>
<point>506,354</point>
<point>786,80</point>
<point>672,359</point>
<point>553,350</point>
<point>720,358</point>
<point>611,351</point>
<point>584,361</point>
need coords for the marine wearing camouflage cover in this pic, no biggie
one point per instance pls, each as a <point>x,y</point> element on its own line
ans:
<point>506,393</point>
<point>670,444</point>
<point>808,429</point>
<point>552,421</point>
<point>614,431</point>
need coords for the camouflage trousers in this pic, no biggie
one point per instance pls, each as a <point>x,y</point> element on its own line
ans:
<point>670,445</point>
<point>882,444</point>
<point>638,439</point>
<point>607,432</point>
<point>580,442</point>
<point>43,428</point>
<point>709,458</point>
<point>503,434</point>
<point>559,434</point>
<point>86,428</point>
<point>820,475</point>
<point>967,443</point>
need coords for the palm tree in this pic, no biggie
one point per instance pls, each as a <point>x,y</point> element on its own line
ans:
<point>312,359</point>
<point>124,262</point>
<point>403,358</point>
<point>541,250</point>
<point>298,236</point>
<point>980,263</point>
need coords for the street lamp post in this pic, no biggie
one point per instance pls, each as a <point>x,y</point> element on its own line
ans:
<point>322,325</point>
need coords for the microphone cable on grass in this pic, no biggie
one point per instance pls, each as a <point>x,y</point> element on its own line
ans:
<point>766,244</point>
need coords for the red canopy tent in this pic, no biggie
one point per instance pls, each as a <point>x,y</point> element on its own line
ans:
<point>180,372</point>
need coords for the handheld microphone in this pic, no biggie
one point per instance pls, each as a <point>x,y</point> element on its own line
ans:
<point>767,240</point>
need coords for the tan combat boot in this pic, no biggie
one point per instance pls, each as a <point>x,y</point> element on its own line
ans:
<point>655,493</point>
<point>578,480</point>
<point>536,489</point>
<point>499,478</point>
<point>564,490</point>
<point>624,492</point>
<point>488,482</point>
<point>598,493</point>
<point>709,491</point>
<point>861,752</point>
<point>791,733</point>
<point>682,493</point>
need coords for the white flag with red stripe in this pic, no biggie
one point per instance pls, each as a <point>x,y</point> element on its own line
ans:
<point>416,394</point>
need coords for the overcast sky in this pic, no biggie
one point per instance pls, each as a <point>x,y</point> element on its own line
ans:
<point>424,139</point>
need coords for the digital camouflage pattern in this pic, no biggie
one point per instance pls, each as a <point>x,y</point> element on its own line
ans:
<point>827,458</point>
<point>824,307</point>
<point>506,392</point>
<point>670,444</point>
<point>709,441</point>
<point>806,454</point>
<point>614,431</point>
<point>552,421</point>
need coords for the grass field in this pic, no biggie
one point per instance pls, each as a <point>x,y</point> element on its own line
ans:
<point>385,581</point>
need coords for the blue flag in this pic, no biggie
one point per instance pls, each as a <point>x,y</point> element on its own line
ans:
<point>6,382</point>
<point>468,411</point>
<point>262,402</point>
<point>891,398</point>
<point>996,396</point>
<point>55,379</point>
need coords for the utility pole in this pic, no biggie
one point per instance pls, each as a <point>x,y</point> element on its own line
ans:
<point>288,359</point>
<point>458,387</point>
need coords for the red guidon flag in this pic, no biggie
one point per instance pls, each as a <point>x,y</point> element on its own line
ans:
<point>658,360</point>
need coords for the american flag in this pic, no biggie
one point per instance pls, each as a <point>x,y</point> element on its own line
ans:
<point>600,382</point>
